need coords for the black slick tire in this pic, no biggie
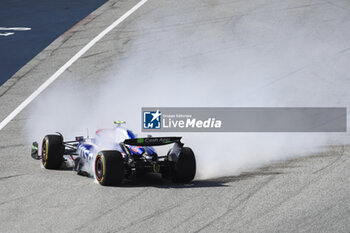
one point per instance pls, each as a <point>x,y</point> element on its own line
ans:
<point>185,167</point>
<point>109,168</point>
<point>52,151</point>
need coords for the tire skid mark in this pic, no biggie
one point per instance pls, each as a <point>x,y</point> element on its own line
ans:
<point>254,189</point>
<point>34,193</point>
<point>306,221</point>
<point>10,83</point>
<point>332,162</point>
<point>297,192</point>
<point>272,208</point>
<point>168,208</point>
<point>19,198</point>
<point>12,176</point>
<point>158,212</point>
<point>173,229</point>
<point>108,211</point>
<point>331,3</point>
<point>147,217</point>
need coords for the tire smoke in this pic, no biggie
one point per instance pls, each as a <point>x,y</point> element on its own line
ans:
<point>235,56</point>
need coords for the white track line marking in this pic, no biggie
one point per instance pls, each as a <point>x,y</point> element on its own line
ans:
<point>12,29</point>
<point>7,34</point>
<point>68,64</point>
<point>15,29</point>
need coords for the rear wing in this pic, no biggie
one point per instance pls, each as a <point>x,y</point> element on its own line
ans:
<point>152,141</point>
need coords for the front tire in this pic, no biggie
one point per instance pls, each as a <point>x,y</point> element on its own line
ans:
<point>52,151</point>
<point>109,167</point>
<point>185,167</point>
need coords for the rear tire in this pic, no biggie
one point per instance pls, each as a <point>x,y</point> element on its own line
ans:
<point>52,151</point>
<point>109,167</point>
<point>185,167</point>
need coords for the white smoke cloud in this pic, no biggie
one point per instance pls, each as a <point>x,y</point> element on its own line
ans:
<point>212,57</point>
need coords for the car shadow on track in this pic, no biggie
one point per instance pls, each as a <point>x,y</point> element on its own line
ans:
<point>155,180</point>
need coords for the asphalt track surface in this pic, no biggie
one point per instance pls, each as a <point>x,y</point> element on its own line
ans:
<point>47,20</point>
<point>302,195</point>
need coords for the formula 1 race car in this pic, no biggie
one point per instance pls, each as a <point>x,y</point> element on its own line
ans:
<point>115,154</point>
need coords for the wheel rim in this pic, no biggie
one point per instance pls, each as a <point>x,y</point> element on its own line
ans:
<point>99,168</point>
<point>43,152</point>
